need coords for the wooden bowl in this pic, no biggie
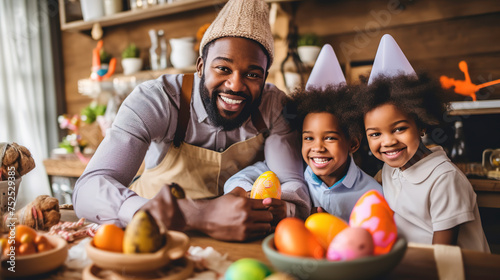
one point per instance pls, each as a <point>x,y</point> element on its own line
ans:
<point>37,263</point>
<point>176,270</point>
<point>176,246</point>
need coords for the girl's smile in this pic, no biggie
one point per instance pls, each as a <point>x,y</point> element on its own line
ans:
<point>393,136</point>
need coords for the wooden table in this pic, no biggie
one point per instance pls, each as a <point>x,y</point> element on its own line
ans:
<point>418,263</point>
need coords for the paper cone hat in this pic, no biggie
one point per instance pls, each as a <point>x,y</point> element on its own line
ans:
<point>326,70</point>
<point>390,60</point>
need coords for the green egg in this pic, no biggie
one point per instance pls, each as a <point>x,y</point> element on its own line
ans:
<point>247,269</point>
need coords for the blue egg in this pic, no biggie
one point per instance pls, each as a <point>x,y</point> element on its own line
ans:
<point>102,72</point>
<point>247,269</point>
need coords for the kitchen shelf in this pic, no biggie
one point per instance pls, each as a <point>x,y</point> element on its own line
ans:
<point>479,107</point>
<point>139,14</point>
<point>123,84</point>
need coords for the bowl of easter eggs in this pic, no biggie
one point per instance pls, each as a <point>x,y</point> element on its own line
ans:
<point>26,252</point>
<point>327,247</point>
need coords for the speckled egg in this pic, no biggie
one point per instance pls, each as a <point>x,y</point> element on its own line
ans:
<point>267,185</point>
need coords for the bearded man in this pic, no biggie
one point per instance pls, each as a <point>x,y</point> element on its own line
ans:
<point>197,131</point>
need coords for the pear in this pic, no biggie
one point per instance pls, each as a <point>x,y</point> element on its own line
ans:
<point>142,234</point>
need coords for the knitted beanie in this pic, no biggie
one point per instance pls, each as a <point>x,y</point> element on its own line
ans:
<point>242,18</point>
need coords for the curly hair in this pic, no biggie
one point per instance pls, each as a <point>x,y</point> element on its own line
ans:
<point>336,100</point>
<point>420,98</point>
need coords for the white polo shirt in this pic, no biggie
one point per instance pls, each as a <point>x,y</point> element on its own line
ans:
<point>434,195</point>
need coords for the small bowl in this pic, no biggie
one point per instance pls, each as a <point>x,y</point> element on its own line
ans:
<point>38,263</point>
<point>175,248</point>
<point>309,268</point>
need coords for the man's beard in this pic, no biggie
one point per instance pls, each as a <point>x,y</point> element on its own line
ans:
<point>215,117</point>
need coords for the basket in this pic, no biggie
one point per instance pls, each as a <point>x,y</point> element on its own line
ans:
<point>8,194</point>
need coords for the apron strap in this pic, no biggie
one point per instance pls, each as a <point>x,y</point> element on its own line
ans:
<point>184,110</point>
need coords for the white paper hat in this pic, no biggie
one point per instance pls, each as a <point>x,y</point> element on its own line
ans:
<point>326,70</point>
<point>390,60</point>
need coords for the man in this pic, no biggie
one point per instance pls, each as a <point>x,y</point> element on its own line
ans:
<point>232,120</point>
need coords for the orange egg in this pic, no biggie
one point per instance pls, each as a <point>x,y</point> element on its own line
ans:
<point>24,234</point>
<point>109,237</point>
<point>325,227</point>
<point>266,185</point>
<point>372,212</point>
<point>291,237</point>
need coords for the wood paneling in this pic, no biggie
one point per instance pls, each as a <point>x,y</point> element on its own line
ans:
<point>326,17</point>
<point>77,47</point>
<point>434,35</point>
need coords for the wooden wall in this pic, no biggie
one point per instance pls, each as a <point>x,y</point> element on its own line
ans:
<point>434,35</point>
<point>77,46</point>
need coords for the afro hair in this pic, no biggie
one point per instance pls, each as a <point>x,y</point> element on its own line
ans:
<point>336,100</point>
<point>420,98</point>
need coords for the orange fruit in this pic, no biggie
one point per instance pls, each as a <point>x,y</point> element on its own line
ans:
<point>109,237</point>
<point>24,234</point>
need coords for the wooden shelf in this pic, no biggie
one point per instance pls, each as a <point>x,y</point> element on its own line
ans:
<point>140,14</point>
<point>480,107</point>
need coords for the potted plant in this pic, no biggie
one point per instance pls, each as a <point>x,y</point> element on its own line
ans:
<point>131,62</point>
<point>308,47</point>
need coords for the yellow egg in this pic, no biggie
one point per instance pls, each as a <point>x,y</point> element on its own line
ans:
<point>325,227</point>
<point>267,185</point>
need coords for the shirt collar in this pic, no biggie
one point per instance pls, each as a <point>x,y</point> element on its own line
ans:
<point>422,169</point>
<point>348,180</point>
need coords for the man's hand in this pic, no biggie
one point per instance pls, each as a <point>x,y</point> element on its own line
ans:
<point>318,209</point>
<point>230,217</point>
<point>277,207</point>
<point>164,208</point>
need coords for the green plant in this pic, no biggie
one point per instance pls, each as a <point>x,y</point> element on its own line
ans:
<point>90,113</point>
<point>131,51</point>
<point>308,39</point>
<point>104,56</point>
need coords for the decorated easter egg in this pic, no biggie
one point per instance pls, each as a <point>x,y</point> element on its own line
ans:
<point>351,243</point>
<point>291,237</point>
<point>267,185</point>
<point>247,269</point>
<point>325,227</point>
<point>372,212</point>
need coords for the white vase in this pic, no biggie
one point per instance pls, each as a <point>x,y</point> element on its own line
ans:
<point>131,65</point>
<point>92,9</point>
<point>308,54</point>
<point>183,54</point>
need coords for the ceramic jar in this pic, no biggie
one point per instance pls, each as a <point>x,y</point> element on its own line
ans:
<point>182,53</point>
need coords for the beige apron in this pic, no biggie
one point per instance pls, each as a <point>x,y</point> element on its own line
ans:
<point>200,172</point>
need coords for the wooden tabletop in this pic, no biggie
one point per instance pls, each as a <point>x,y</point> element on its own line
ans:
<point>417,263</point>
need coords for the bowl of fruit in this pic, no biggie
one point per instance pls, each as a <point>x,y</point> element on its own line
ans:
<point>31,253</point>
<point>140,247</point>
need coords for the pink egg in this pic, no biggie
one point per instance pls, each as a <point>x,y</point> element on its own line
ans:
<point>351,243</point>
